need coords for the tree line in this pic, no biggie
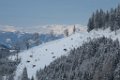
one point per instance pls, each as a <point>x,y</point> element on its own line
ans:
<point>105,19</point>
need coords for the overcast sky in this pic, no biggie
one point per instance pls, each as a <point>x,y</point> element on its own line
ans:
<point>26,13</point>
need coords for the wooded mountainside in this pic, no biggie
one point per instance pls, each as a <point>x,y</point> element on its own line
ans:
<point>104,19</point>
<point>98,59</point>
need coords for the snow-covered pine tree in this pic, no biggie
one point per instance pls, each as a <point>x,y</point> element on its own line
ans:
<point>24,74</point>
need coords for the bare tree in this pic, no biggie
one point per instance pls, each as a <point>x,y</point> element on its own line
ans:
<point>66,32</point>
<point>27,44</point>
<point>74,29</point>
<point>36,38</point>
<point>17,49</point>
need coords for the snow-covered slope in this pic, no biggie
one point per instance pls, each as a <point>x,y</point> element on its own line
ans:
<point>42,55</point>
<point>37,57</point>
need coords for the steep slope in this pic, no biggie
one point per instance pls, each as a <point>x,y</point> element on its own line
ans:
<point>42,55</point>
<point>37,57</point>
<point>98,59</point>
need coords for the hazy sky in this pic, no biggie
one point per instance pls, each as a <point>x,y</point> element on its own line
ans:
<point>41,12</point>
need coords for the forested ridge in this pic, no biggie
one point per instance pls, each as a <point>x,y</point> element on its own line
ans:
<point>105,19</point>
<point>98,59</point>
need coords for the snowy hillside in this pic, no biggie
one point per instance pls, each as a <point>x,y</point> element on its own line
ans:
<point>41,56</point>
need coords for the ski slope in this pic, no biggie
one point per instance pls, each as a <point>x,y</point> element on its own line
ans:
<point>38,57</point>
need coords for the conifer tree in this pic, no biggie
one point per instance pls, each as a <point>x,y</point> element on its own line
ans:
<point>24,74</point>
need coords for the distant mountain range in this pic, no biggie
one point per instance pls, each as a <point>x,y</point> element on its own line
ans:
<point>11,37</point>
<point>58,29</point>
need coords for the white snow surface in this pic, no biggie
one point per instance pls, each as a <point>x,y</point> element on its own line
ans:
<point>36,58</point>
<point>44,54</point>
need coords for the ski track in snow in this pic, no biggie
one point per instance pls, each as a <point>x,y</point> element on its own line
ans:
<point>38,57</point>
